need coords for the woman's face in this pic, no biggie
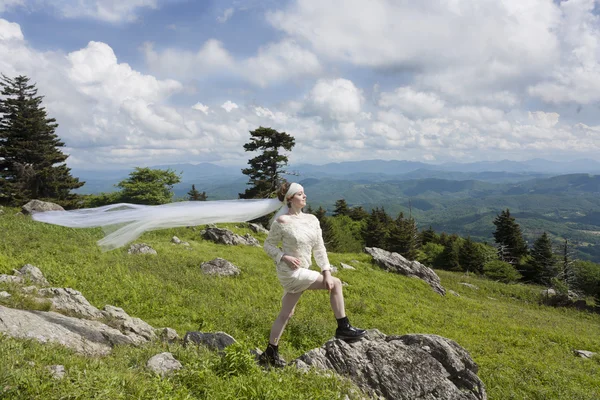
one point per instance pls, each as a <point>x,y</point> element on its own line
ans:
<point>298,200</point>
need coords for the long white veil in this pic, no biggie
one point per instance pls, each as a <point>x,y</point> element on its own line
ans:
<point>125,222</point>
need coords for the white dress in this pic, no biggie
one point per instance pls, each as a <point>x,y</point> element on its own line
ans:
<point>300,236</point>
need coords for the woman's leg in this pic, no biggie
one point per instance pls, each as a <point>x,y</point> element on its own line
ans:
<point>336,297</point>
<point>288,304</point>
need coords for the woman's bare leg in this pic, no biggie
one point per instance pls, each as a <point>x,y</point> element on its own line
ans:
<point>288,304</point>
<point>336,297</point>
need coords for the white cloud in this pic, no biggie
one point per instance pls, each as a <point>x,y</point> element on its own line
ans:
<point>104,10</point>
<point>229,106</point>
<point>210,58</point>
<point>228,13</point>
<point>8,4</point>
<point>201,107</point>
<point>412,102</point>
<point>336,99</point>
<point>10,31</point>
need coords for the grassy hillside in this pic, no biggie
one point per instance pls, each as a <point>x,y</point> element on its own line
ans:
<point>524,350</point>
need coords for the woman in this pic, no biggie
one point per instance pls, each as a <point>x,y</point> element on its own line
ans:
<point>300,235</point>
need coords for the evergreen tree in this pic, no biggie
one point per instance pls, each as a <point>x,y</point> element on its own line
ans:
<point>32,165</point>
<point>341,208</point>
<point>266,169</point>
<point>471,257</point>
<point>375,231</point>
<point>309,209</point>
<point>194,195</point>
<point>149,186</point>
<point>509,238</point>
<point>450,257</point>
<point>320,213</point>
<point>541,267</point>
<point>566,271</point>
<point>428,236</point>
<point>358,214</point>
<point>329,235</point>
<point>402,237</point>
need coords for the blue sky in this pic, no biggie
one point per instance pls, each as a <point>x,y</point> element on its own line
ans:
<point>147,82</point>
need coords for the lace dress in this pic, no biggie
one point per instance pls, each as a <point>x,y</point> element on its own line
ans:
<point>300,236</point>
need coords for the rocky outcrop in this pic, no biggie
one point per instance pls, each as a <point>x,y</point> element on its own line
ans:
<point>225,236</point>
<point>214,341</point>
<point>394,262</point>
<point>409,367</point>
<point>84,336</point>
<point>32,273</point>
<point>40,206</point>
<point>163,364</point>
<point>71,302</point>
<point>257,228</point>
<point>141,248</point>
<point>139,331</point>
<point>220,267</point>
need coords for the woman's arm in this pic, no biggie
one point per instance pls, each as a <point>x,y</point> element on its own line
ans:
<point>319,250</point>
<point>272,242</point>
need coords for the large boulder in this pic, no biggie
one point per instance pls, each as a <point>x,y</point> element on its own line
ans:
<point>40,206</point>
<point>214,341</point>
<point>83,336</point>
<point>257,228</point>
<point>32,273</point>
<point>225,236</point>
<point>394,262</point>
<point>219,266</point>
<point>70,301</point>
<point>139,330</point>
<point>409,367</point>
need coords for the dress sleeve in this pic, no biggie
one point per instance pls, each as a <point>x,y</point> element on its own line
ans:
<point>319,250</point>
<point>272,242</point>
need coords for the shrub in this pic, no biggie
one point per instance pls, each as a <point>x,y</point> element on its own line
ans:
<point>501,271</point>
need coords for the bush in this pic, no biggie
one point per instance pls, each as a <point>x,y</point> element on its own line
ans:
<point>430,253</point>
<point>501,271</point>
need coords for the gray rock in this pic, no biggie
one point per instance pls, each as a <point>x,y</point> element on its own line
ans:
<point>168,335</point>
<point>29,289</point>
<point>225,236</point>
<point>70,301</point>
<point>5,295</point>
<point>178,241</point>
<point>163,364</point>
<point>40,206</point>
<point>409,367</point>
<point>32,273</point>
<point>394,262</point>
<point>141,248</point>
<point>139,330</point>
<point>584,353</point>
<point>10,279</point>
<point>548,292</point>
<point>219,266</point>
<point>214,341</point>
<point>469,285</point>
<point>57,371</point>
<point>83,336</point>
<point>346,266</point>
<point>452,292</point>
<point>257,228</point>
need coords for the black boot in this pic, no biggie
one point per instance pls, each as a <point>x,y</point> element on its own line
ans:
<point>271,357</point>
<point>345,331</point>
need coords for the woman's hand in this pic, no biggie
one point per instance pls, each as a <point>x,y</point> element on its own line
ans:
<point>328,280</point>
<point>292,262</point>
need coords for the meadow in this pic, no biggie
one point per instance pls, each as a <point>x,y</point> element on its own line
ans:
<point>524,350</point>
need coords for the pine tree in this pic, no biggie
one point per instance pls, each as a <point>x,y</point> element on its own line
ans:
<point>428,236</point>
<point>541,267</point>
<point>509,238</point>
<point>358,214</point>
<point>450,257</point>
<point>148,186</point>
<point>470,256</point>
<point>566,272</point>
<point>403,237</point>
<point>266,169</point>
<point>194,195</point>
<point>31,164</point>
<point>320,213</point>
<point>330,238</point>
<point>341,208</point>
<point>374,232</point>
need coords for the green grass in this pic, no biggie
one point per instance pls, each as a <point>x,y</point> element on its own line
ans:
<point>524,350</point>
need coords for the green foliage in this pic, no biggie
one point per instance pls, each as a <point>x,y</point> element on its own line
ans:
<point>472,256</point>
<point>430,254</point>
<point>341,208</point>
<point>330,235</point>
<point>501,271</point>
<point>587,278</point>
<point>195,195</point>
<point>450,257</point>
<point>265,169</point>
<point>348,234</point>
<point>149,186</point>
<point>403,237</point>
<point>101,199</point>
<point>541,266</point>
<point>32,165</point>
<point>428,235</point>
<point>375,231</point>
<point>509,238</point>
<point>358,213</point>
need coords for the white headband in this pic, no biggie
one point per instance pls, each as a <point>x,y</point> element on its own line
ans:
<point>294,188</point>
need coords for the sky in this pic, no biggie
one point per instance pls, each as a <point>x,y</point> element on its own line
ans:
<point>151,82</point>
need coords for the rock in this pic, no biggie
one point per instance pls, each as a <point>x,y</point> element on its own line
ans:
<point>214,341</point>
<point>548,292</point>
<point>257,228</point>
<point>225,236</point>
<point>29,289</point>
<point>32,273</point>
<point>10,279</point>
<point>219,266</point>
<point>176,240</point>
<point>141,248</point>
<point>70,301</point>
<point>87,337</point>
<point>394,262</point>
<point>168,335</point>
<point>410,367</point>
<point>163,364</point>
<point>345,283</point>
<point>5,295</point>
<point>346,266</point>
<point>452,292</point>
<point>40,206</point>
<point>584,353</point>
<point>469,285</point>
<point>140,331</point>
<point>333,269</point>
<point>57,371</point>
<point>551,297</point>
<point>580,304</point>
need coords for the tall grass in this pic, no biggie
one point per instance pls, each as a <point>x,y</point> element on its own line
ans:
<point>524,350</point>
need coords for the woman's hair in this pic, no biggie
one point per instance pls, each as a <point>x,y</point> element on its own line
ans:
<point>283,188</point>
